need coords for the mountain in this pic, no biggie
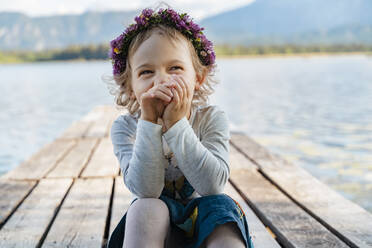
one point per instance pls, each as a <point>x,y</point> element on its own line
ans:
<point>18,31</point>
<point>263,22</point>
<point>288,21</point>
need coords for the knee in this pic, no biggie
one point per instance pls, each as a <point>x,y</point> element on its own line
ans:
<point>149,210</point>
<point>147,223</point>
<point>222,235</point>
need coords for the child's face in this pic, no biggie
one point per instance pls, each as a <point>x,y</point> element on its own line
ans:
<point>156,59</point>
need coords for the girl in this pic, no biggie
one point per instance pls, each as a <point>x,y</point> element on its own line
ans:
<point>173,148</point>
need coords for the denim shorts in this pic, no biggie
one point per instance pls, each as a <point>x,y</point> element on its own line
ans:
<point>194,221</point>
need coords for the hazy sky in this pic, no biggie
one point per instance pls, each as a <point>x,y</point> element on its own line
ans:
<point>196,8</point>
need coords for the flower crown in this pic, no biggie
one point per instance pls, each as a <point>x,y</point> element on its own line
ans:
<point>182,22</point>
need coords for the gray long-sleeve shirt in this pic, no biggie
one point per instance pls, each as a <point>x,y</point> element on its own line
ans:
<point>200,147</point>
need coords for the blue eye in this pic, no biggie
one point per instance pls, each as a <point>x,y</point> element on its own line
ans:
<point>145,72</point>
<point>177,67</point>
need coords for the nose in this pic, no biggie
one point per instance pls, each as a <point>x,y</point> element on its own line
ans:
<point>162,78</point>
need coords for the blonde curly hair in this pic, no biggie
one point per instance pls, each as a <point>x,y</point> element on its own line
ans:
<point>122,89</point>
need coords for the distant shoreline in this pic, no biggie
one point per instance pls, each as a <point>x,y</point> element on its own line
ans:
<point>314,54</point>
<point>223,56</point>
<point>100,52</point>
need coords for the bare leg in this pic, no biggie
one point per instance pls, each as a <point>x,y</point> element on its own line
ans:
<point>225,236</point>
<point>147,224</point>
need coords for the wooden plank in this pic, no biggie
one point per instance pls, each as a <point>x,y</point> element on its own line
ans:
<point>110,125</point>
<point>350,222</point>
<point>82,218</point>
<point>79,128</point>
<point>27,225</point>
<point>12,194</point>
<point>120,204</point>
<point>103,161</point>
<point>261,235</point>
<point>42,162</point>
<point>75,160</point>
<point>76,130</point>
<point>290,223</point>
<point>114,112</point>
<point>261,238</point>
<point>101,123</point>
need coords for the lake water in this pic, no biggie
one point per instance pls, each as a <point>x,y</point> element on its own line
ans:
<point>314,111</point>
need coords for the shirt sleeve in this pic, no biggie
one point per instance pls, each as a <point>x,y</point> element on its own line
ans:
<point>204,163</point>
<point>140,154</point>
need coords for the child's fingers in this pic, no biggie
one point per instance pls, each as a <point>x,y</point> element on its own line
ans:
<point>146,95</point>
<point>176,97</point>
<point>161,95</point>
<point>165,90</point>
<point>184,86</point>
<point>179,90</point>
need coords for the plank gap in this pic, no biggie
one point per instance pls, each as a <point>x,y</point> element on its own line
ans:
<point>245,155</point>
<point>322,222</point>
<point>89,157</point>
<point>303,207</point>
<point>19,204</point>
<point>60,159</point>
<point>108,217</point>
<point>281,239</point>
<point>54,216</point>
<point>84,134</point>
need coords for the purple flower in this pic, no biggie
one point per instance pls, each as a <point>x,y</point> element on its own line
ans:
<point>186,18</point>
<point>131,28</point>
<point>147,12</point>
<point>169,17</point>
<point>183,25</point>
<point>119,67</point>
<point>140,20</point>
<point>110,53</point>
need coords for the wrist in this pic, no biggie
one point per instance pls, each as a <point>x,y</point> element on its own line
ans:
<point>149,119</point>
<point>168,124</point>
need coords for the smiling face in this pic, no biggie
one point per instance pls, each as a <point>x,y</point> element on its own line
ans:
<point>156,59</point>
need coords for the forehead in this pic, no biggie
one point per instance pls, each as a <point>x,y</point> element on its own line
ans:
<point>159,48</point>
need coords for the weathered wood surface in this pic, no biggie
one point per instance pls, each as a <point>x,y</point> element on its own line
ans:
<point>121,202</point>
<point>12,194</point>
<point>260,235</point>
<point>326,205</point>
<point>81,220</point>
<point>94,124</point>
<point>77,129</point>
<point>103,161</point>
<point>72,165</point>
<point>103,119</point>
<point>26,226</point>
<point>292,225</point>
<point>69,186</point>
<point>42,162</point>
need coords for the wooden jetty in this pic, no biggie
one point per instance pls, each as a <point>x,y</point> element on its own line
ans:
<point>71,194</point>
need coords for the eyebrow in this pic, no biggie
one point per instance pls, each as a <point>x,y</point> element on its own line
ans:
<point>170,62</point>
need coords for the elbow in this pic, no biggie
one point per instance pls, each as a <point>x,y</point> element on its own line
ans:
<point>217,185</point>
<point>144,191</point>
<point>141,186</point>
<point>148,194</point>
<point>215,188</point>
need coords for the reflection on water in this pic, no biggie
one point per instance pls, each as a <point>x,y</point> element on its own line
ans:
<point>39,101</point>
<point>314,111</point>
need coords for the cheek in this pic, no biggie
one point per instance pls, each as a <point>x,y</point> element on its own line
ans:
<point>191,79</point>
<point>141,87</point>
